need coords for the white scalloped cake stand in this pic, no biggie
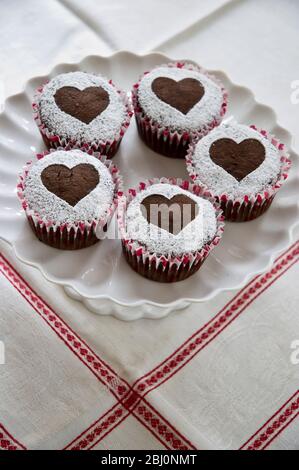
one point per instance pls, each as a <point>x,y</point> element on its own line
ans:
<point>99,276</point>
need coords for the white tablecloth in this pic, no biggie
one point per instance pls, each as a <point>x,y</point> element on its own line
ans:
<point>219,375</point>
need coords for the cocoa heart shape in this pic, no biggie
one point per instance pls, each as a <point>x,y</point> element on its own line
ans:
<point>84,105</point>
<point>238,159</point>
<point>170,214</point>
<point>182,95</point>
<point>70,184</point>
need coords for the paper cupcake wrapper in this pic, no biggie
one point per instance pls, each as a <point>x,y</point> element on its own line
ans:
<point>70,236</point>
<point>108,147</point>
<point>165,268</point>
<point>249,207</point>
<point>164,140</point>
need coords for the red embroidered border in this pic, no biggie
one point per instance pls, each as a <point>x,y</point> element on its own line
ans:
<point>122,390</point>
<point>275,425</point>
<point>145,414</point>
<point>127,397</point>
<point>160,427</point>
<point>7,442</point>
<point>117,385</point>
<point>218,323</point>
<point>99,429</point>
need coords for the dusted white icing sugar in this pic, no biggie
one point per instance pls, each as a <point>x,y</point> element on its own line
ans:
<point>202,113</point>
<point>104,127</point>
<point>219,181</point>
<point>194,236</point>
<point>51,207</point>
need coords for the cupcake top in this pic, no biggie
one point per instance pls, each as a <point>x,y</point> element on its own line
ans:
<point>69,187</point>
<point>236,160</point>
<point>180,97</point>
<point>82,107</point>
<point>167,219</point>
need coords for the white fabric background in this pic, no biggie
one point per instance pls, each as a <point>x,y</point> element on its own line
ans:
<point>255,42</point>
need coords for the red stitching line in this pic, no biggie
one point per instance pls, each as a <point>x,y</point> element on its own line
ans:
<point>280,431</point>
<point>213,337</point>
<point>157,436</point>
<point>109,431</point>
<point>71,339</point>
<point>97,432</point>
<point>271,418</point>
<point>8,442</point>
<point>128,400</point>
<point>92,425</point>
<point>192,336</point>
<point>147,414</point>
<point>274,425</point>
<point>169,424</point>
<point>213,327</point>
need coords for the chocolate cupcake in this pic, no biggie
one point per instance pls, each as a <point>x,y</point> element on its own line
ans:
<point>176,103</point>
<point>168,229</point>
<point>81,110</point>
<point>69,197</point>
<point>241,167</point>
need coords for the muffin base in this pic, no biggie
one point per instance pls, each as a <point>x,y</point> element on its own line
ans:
<point>244,212</point>
<point>64,239</point>
<point>175,147</point>
<point>160,273</point>
<point>107,149</point>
